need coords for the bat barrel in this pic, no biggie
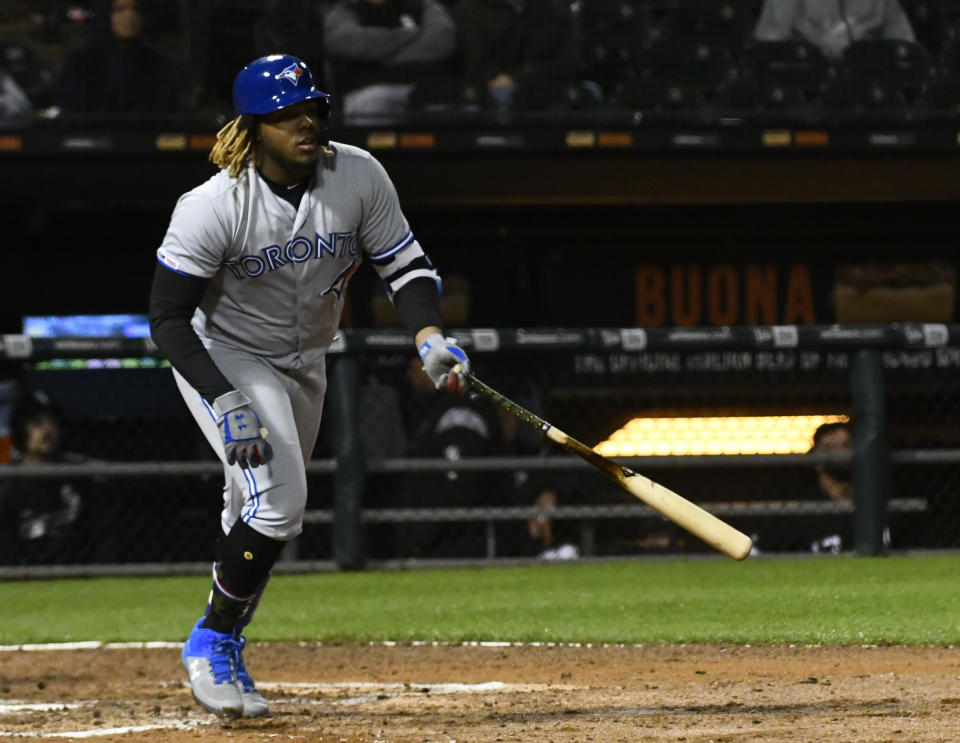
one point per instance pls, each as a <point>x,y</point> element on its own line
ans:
<point>699,522</point>
<point>715,532</point>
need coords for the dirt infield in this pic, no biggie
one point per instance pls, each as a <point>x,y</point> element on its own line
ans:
<point>560,694</point>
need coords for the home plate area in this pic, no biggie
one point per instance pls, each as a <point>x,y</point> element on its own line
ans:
<point>419,693</point>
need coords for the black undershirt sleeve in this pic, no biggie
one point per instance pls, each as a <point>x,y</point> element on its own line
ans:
<point>418,304</point>
<point>173,299</point>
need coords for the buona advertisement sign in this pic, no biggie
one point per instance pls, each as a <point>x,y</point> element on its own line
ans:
<point>691,294</point>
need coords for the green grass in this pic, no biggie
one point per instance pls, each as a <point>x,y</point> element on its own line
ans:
<point>897,600</point>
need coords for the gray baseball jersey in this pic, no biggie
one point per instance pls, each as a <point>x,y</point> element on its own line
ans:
<point>278,274</point>
<point>273,304</point>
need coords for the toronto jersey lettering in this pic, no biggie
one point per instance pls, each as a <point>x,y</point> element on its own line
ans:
<point>284,301</point>
<point>298,250</point>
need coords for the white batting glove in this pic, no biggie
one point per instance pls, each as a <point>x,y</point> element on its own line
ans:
<point>440,357</point>
<point>244,439</point>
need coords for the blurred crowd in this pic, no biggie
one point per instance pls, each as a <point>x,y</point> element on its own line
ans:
<point>144,59</point>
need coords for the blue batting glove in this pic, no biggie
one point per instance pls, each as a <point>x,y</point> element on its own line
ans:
<point>244,439</point>
<point>445,363</point>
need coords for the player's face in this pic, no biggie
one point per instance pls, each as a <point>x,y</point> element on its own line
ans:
<point>289,143</point>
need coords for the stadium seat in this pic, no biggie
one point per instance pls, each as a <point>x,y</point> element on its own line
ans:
<point>949,59</point>
<point>864,97</point>
<point>559,96</point>
<point>904,64</point>
<point>792,62</point>
<point>35,74</point>
<point>609,63</point>
<point>661,97</point>
<point>941,95</point>
<point>751,94</point>
<point>613,33</point>
<point>928,21</point>
<point>584,96</point>
<point>722,22</point>
<point>691,63</point>
<point>441,96</point>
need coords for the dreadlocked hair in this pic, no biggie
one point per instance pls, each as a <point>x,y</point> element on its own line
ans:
<point>234,144</point>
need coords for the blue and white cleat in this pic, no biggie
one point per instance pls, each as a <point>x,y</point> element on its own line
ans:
<point>211,661</point>
<point>254,705</point>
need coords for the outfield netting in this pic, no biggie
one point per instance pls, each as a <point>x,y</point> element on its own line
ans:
<point>414,475</point>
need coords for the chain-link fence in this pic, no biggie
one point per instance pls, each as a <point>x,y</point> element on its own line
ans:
<point>403,473</point>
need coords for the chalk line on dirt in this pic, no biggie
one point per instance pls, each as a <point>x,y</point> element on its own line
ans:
<point>385,691</point>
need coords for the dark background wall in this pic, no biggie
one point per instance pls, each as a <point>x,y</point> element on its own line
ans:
<point>542,241</point>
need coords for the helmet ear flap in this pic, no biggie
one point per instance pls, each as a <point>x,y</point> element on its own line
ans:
<point>249,123</point>
<point>326,112</point>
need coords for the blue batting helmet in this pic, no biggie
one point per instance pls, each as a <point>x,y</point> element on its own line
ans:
<point>271,83</point>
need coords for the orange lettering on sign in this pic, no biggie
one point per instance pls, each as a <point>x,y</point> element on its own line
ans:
<point>685,303</point>
<point>798,305</point>
<point>651,304</point>
<point>760,303</point>
<point>723,296</point>
<point>731,296</point>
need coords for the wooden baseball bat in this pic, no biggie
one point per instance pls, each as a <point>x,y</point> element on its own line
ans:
<point>678,509</point>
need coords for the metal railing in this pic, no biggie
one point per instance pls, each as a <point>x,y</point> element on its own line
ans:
<point>351,471</point>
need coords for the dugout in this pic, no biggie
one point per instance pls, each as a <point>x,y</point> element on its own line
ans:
<point>664,204</point>
<point>376,501</point>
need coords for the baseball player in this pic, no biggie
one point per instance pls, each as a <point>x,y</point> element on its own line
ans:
<point>246,298</point>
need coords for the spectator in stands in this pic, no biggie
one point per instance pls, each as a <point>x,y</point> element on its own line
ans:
<point>826,531</point>
<point>833,533</point>
<point>114,70</point>
<point>15,108</point>
<point>218,36</point>
<point>546,534</point>
<point>516,53</point>
<point>832,24</point>
<point>296,26</point>
<point>39,518</point>
<point>380,50</point>
<point>441,426</point>
<point>833,479</point>
<point>454,428</point>
<point>57,22</point>
<point>833,482</point>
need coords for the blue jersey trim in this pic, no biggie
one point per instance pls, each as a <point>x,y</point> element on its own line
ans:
<point>390,252</point>
<point>254,496</point>
<point>252,487</point>
<point>182,273</point>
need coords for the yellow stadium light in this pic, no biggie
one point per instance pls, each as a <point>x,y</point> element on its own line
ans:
<point>762,434</point>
